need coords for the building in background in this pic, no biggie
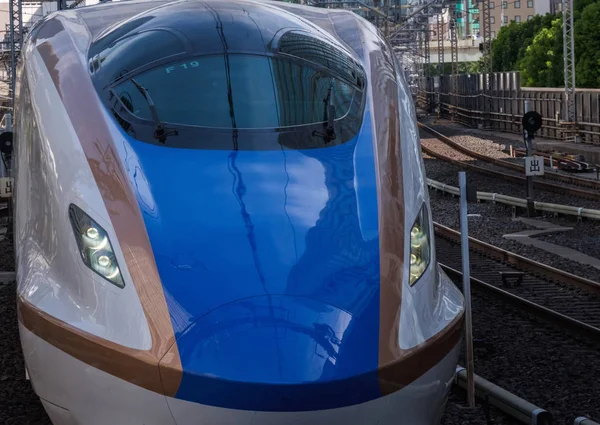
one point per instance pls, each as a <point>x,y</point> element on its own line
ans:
<point>555,6</point>
<point>504,12</point>
<point>472,8</point>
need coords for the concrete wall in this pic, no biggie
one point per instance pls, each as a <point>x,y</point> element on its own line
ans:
<point>468,51</point>
<point>464,55</point>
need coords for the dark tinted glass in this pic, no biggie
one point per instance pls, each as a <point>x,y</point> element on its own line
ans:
<point>238,91</point>
<point>308,47</point>
<point>133,52</point>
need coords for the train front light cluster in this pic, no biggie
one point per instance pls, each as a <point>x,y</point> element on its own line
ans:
<point>95,247</point>
<point>420,248</point>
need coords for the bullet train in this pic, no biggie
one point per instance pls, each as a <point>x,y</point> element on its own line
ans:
<point>221,217</point>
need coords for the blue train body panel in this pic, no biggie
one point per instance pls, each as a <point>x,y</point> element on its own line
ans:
<point>270,264</point>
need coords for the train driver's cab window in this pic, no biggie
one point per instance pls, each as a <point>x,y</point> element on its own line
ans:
<point>242,91</point>
<point>124,55</point>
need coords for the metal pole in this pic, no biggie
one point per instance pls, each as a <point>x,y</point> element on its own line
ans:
<point>454,54</point>
<point>466,18</point>
<point>387,14</point>
<point>440,40</point>
<point>407,19</point>
<point>464,236</point>
<point>487,61</point>
<point>427,60</point>
<point>569,63</point>
<point>13,54</point>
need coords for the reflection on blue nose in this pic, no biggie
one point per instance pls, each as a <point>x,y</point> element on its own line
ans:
<point>278,353</point>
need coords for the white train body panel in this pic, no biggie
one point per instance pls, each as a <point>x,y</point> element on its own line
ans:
<point>263,273</point>
<point>110,400</point>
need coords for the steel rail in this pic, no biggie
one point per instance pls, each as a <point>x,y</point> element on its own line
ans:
<point>584,194</point>
<point>520,262</point>
<point>502,163</point>
<point>571,164</point>
<point>540,311</point>
<point>592,214</point>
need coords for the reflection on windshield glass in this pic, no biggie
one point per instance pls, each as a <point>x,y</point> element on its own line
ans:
<point>264,92</point>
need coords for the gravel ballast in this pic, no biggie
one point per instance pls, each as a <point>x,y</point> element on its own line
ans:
<point>18,403</point>
<point>535,360</point>
<point>496,221</point>
<point>458,412</point>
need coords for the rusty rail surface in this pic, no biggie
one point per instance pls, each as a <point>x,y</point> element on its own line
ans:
<point>520,262</point>
<point>576,181</point>
<point>581,193</point>
<point>542,312</point>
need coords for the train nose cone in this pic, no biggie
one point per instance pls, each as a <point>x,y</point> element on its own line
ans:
<point>276,353</point>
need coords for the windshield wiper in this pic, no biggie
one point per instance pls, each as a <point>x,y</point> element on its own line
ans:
<point>160,132</point>
<point>328,117</point>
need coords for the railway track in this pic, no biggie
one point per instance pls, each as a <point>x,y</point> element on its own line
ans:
<point>567,300</point>
<point>560,162</point>
<point>513,177</point>
<point>514,172</point>
<point>564,163</point>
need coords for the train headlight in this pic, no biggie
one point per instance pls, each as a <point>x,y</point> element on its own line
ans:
<point>420,248</point>
<point>95,247</point>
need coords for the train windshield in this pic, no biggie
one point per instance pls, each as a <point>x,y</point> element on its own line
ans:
<point>242,91</point>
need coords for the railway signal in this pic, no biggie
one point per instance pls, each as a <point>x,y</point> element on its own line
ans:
<point>534,165</point>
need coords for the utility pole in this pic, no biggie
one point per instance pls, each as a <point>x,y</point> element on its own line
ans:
<point>419,57</point>
<point>569,65</point>
<point>487,58</point>
<point>427,61</point>
<point>386,8</point>
<point>466,17</point>
<point>16,41</point>
<point>441,59</point>
<point>454,51</point>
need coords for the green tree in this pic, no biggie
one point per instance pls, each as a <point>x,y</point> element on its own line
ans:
<point>579,5</point>
<point>512,40</point>
<point>542,62</point>
<point>587,47</point>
